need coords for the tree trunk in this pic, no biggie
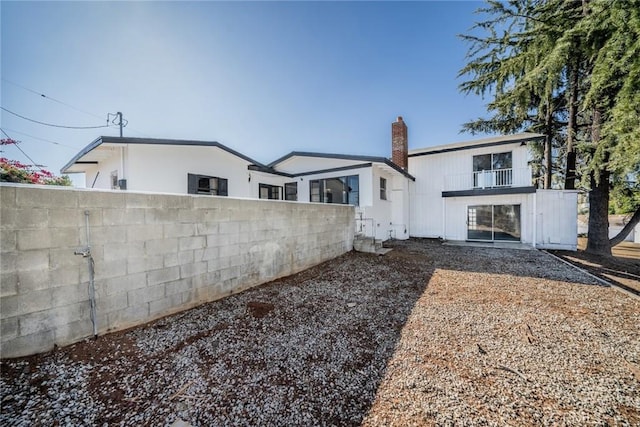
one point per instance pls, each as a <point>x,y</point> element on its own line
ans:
<point>598,237</point>
<point>572,127</point>
<point>548,161</point>
<point>619,238</point>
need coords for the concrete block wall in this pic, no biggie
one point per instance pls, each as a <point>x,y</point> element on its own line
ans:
<point>154,255</point>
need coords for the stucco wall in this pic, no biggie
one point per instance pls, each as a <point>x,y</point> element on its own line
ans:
<point>154,255</point>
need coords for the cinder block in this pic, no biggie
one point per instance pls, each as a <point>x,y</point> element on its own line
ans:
<point>59,258</point>
<point>74,331</point>
<point>9,261</point>
<point>136,200</point>
<point>73,217</point>
<point>101,199</point>
<point>105,234</point>
<point>108,269</point>
<point>161,216</point>
<point>64,295</point>
<point>128,316</point>
<point>165,305</point>
<point>190,243</point>
<point>8,239</point>
<point>123,251</point>
<point>8,218</point>
<point>136,233</point>
<point>30,302</point>
<point>8,284</point>
<point>122,284</point>
<point>129,216</point>
<point>178,286</point>
<point>194,269</point>
<point>145,263</point>
<point>69,275</point>
<point>51,319</point>
<point>163,275</point>
<point>229,227</point>
<point>179,230</point>
<point>214,214</point>
<point>33,260</point>
<point>137,297</point>
<point>204,228</point>
<point>31,280</point>
<point>229,251</point>
<point>7,196</point>
<point>31,218</point>
<point>206,254</point>
<point>8,328</point>
<point>29,344</point>
<point>229,273</point>
<point>207,202</point>
<point>50,196</point>
<point>68,236</point>
<point>110,303</point>
<point>206,279</point>
<point>179,258</point>
<point>192,216</point>
<point>161,246</point>
<point>34,239</point>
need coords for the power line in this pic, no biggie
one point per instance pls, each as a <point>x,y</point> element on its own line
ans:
<point>41,139</point>
<point>52,125</point>
<point>43,96</point>
<point>22,151</point>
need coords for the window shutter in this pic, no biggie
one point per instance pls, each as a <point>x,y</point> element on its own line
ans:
<point>222,187</point>
<point>192,183</point>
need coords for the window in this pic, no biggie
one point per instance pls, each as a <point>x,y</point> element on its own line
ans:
<point>291,191</point>
<point>203,184</point>
<point>383,188</point>
<point>272,192</point>
<point>114,180</point>
<point>492,170</point>
<point>342,190</point>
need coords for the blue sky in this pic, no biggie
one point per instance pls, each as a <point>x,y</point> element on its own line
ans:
<point>264,78</point>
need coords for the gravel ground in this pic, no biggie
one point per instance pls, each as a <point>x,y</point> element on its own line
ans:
<point>426,335</point>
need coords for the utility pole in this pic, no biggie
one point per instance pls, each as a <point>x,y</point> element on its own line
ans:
<point>119,114</point>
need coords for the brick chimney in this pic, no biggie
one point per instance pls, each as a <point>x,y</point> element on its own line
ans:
<point>399,143</point>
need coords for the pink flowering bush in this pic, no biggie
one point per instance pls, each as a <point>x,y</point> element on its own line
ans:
<point>15,171</point>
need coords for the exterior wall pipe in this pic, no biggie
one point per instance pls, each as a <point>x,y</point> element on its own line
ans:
<point>86,253</point>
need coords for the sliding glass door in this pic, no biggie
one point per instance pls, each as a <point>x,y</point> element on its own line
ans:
<point>494,222</point>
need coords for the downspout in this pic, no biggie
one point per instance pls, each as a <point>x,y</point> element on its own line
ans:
<point>122,162</point>
<point>444,211</point>
<point>444,218</point>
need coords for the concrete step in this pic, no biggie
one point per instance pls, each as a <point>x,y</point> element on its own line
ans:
<point>368,245</point>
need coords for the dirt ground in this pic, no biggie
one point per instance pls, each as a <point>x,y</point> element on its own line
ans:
<point>623,268</point>
<point>425,335</point>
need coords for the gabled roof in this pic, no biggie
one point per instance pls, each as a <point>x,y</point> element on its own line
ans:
<point>522,138</point>
<point>370,159</point>
<point>81,157</point>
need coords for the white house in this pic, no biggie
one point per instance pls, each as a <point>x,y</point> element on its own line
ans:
<point>478,190</point>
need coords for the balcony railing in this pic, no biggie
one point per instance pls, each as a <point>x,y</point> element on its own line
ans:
<point>498,178</point>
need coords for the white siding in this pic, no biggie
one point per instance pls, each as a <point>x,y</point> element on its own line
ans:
<point>430,171</point>
<point>165,168</point>
<point>101,173</point>
<point>557,219</point>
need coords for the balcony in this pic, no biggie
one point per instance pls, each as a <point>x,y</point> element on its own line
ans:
<point>488,179</point>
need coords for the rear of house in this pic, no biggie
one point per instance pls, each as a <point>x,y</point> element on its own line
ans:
<point>479,190</point>
<point>483,191</point>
